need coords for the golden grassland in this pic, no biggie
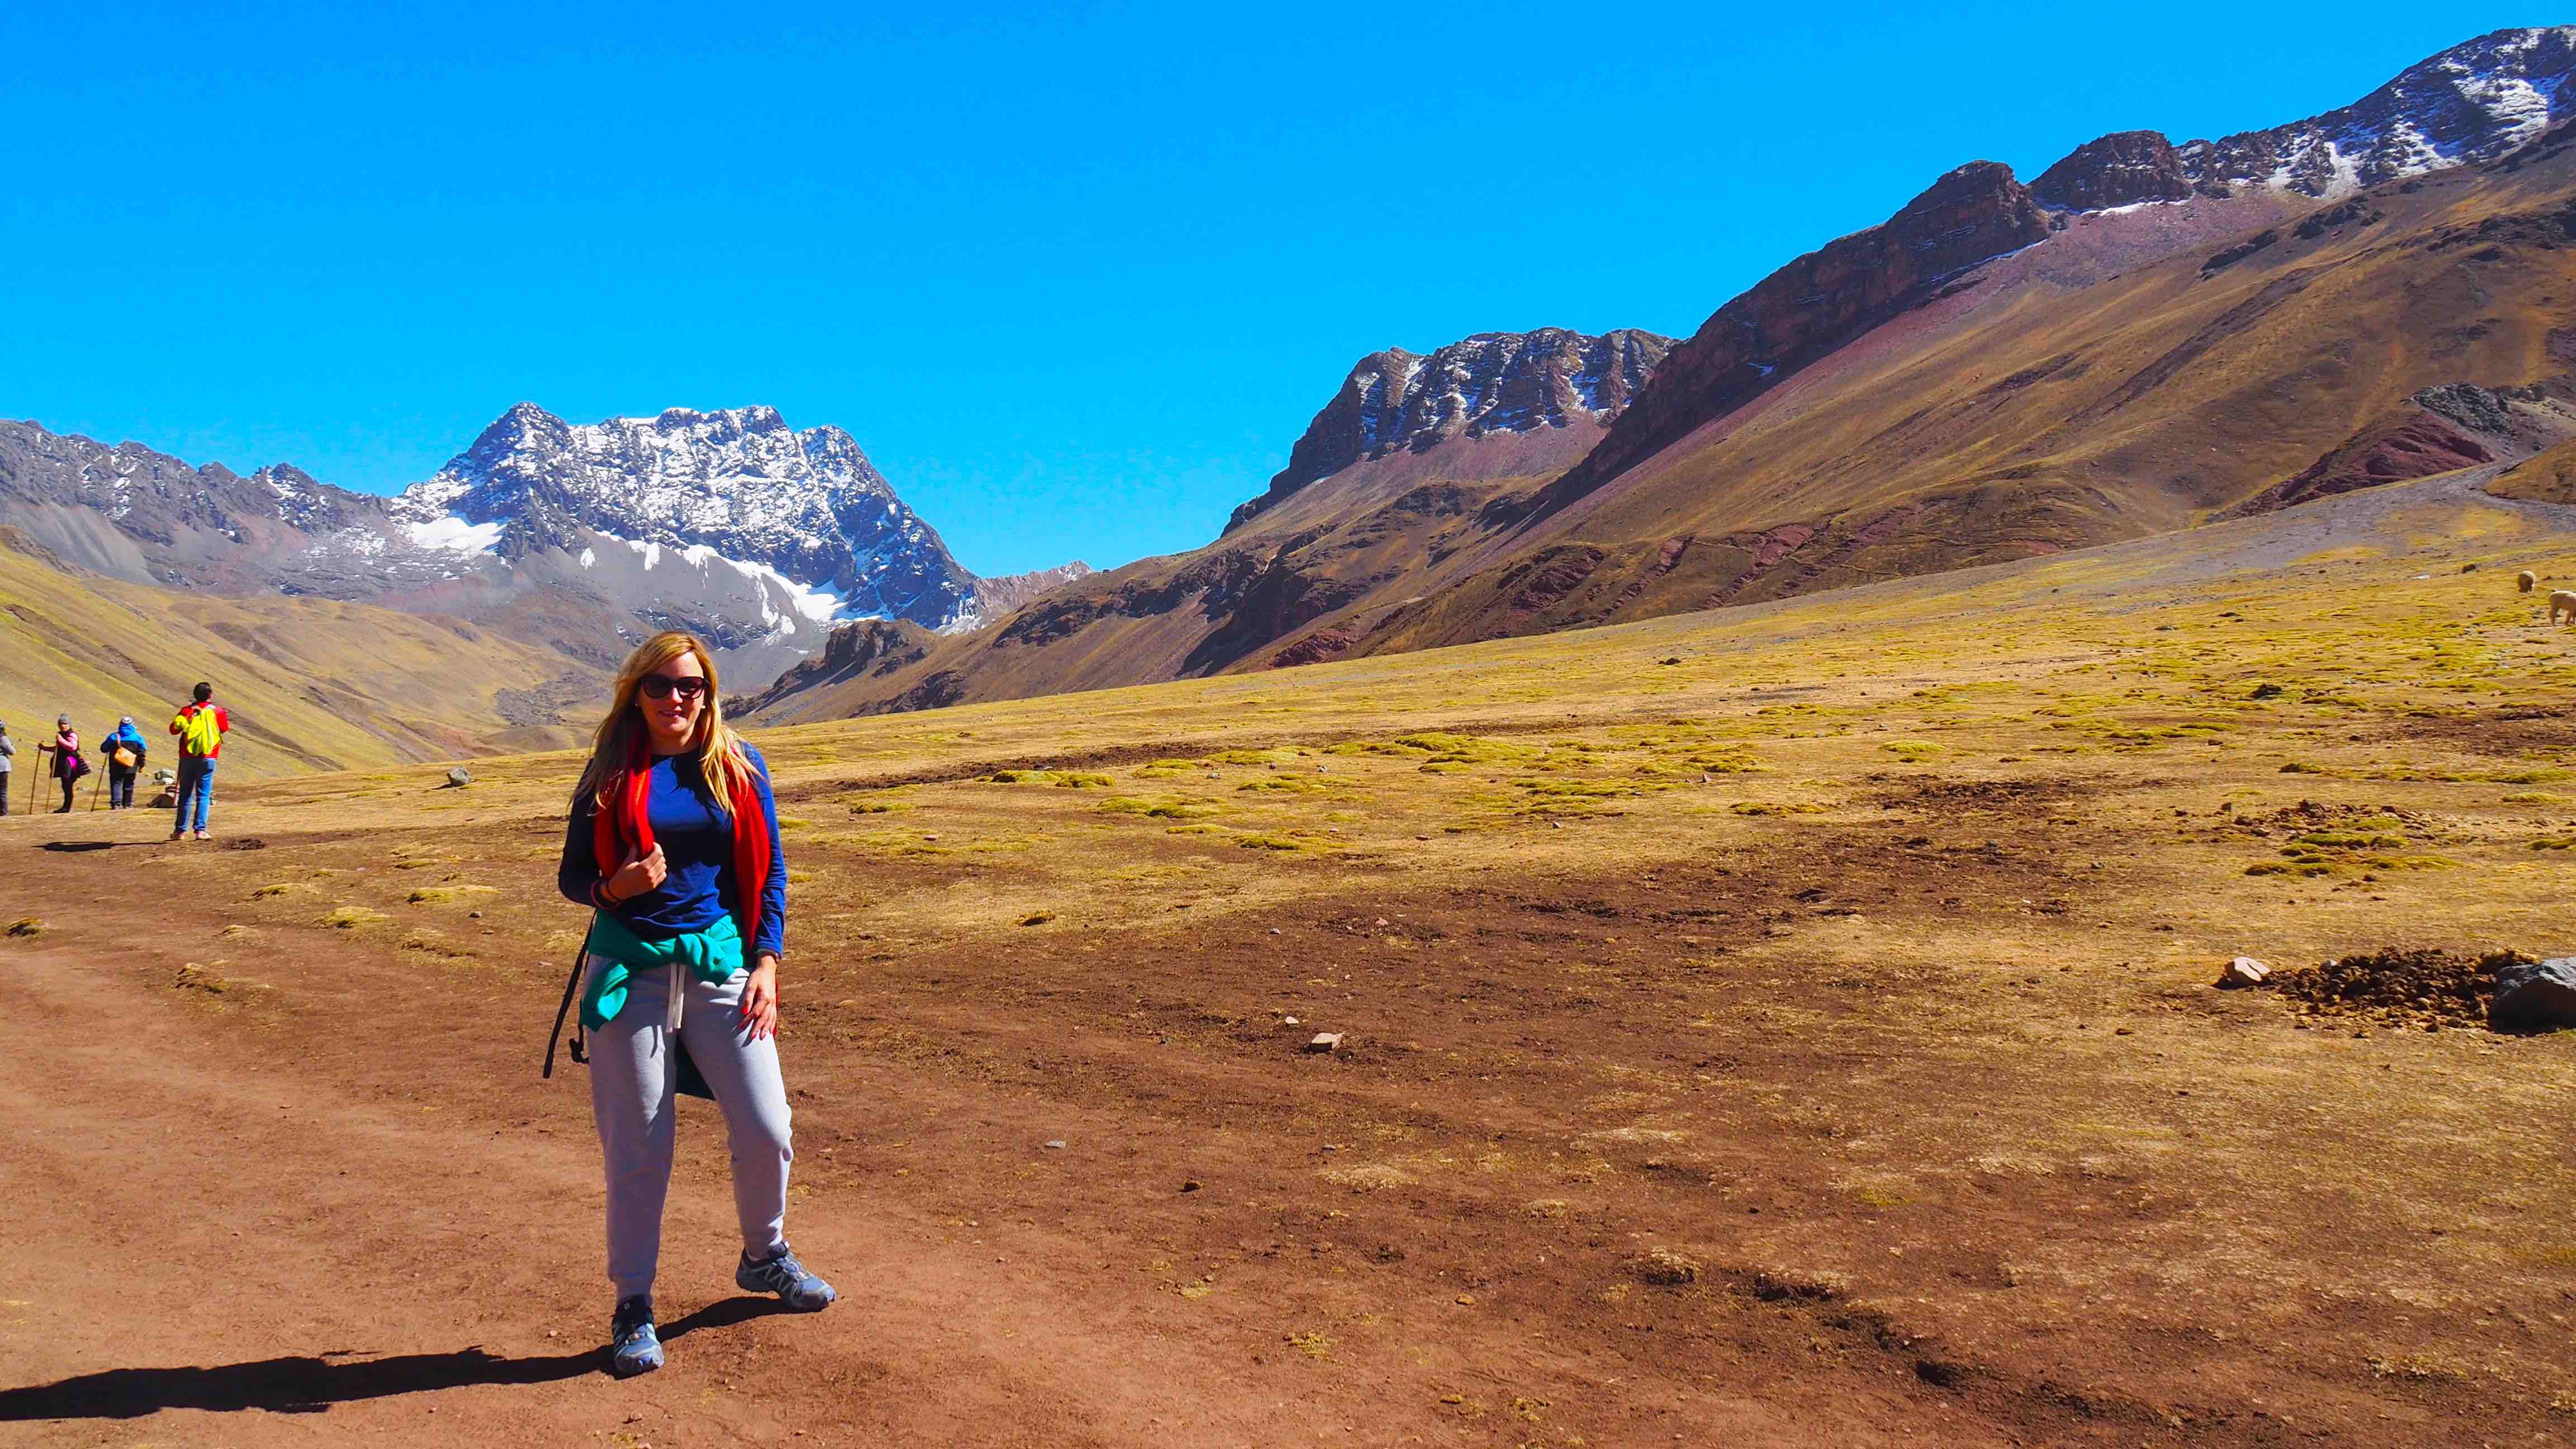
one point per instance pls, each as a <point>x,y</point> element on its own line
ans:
<point>1894,912</point>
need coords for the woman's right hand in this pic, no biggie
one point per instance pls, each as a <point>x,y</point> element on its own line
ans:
<point>638,875</point>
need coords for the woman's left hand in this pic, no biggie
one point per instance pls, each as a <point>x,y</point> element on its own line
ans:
<point>760,999</point>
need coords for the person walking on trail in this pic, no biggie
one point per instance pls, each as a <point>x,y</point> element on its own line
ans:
<point>8,754</point>
<point>69,767</point>
<point>200,726</point>
<point>672,841</point>
<point>125,751</point>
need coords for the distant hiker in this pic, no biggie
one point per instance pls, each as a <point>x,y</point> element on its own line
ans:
<point>7,751</point>
<point>200,726</point>
<point>124,750</point>
<point>673,843</point>
<point>69,767</point>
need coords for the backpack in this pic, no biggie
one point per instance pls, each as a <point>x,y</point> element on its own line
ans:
<point>199,735</point>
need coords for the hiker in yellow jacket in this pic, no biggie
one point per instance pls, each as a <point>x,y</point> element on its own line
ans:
<point>200,728</point>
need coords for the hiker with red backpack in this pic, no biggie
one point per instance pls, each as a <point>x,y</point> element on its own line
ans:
<point>200,727</point>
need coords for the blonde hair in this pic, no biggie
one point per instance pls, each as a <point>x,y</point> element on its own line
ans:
<point>621,736</point>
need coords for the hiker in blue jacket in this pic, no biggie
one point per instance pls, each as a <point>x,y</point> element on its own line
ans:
<point>127,740</point>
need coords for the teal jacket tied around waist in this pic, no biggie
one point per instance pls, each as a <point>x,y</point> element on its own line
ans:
<point>711,955</point>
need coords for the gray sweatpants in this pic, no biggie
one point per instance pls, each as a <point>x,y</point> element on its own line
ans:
<point>631,1099</point>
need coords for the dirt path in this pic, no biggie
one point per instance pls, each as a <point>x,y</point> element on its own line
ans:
<point>391,1243</point>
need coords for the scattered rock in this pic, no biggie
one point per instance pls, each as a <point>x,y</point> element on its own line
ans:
<point>2241,972</point>
<point>1288,1021</point>
<point>1325,1041</point>
<point>2468,568</point>
<point>1037,918</point>
<point>2398,986</point>
<point>1664,1267</point>
<point>2534,995</point>
<point>457,779</point>
<point>2266,691</point>
<point>26,928</point>
<point>1055,1144</point>
<point>1190,1185</point>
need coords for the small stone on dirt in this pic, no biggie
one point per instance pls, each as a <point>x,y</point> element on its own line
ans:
<point>1325,1041</point>
<point>457,779</point>
<point>1055,1144</point>
<point>2241,972</point>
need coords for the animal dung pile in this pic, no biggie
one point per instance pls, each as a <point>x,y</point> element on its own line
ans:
<point>2426,986</point>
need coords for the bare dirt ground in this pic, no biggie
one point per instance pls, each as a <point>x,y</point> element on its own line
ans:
<point>1784,1026</point>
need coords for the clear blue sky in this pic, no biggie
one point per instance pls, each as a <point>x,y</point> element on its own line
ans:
<point>1074,276</point>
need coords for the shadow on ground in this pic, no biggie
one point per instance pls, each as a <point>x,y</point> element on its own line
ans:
<point>311,1385</point>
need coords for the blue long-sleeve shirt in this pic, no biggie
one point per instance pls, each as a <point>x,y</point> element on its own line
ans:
<point>697,846</point>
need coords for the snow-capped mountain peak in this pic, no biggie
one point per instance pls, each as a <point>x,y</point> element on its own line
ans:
<point>808,505</point>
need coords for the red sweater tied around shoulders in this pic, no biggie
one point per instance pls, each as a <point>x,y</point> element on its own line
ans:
<point>622,830</point>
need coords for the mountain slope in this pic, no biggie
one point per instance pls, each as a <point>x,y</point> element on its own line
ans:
<point>578,539</point>
<point>313,684</point>
<point>1398,471</point>
<point>2151,336</point>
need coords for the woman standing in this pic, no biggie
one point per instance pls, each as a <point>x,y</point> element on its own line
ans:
<point>673,842</point>
<point>69,767</point>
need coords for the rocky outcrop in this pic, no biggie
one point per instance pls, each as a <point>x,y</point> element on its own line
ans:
<point>1813,305</point>
<point>1394,401</point>
<point>873,647</point>
<point>2121,169</point>
<point>996,597</point>
<point>2415,444</point>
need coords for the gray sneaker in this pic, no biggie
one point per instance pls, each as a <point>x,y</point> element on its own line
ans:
<point>787,1278</point>
<point>633,1347</point>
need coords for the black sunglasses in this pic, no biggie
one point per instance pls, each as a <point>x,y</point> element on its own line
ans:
<point>663,686</point>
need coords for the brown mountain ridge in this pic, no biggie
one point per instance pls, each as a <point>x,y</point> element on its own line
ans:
<point>2150,337</point>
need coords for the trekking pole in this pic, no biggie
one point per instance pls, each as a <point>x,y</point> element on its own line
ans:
<point>93,789</point>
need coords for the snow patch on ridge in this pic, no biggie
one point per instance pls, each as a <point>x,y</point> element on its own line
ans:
<point>783,600</point>
<point>455,534</point>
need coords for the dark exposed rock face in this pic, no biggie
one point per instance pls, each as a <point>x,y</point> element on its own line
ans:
<point>2120,169</point>
<point>870,646</point>
<point>1813,305</point>
<point>1492,382</point>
